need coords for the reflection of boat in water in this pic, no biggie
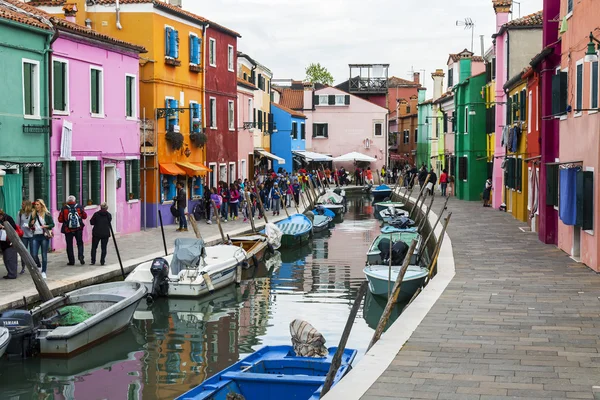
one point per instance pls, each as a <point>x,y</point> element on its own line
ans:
<point>373,308</point>
<point>289,274</point>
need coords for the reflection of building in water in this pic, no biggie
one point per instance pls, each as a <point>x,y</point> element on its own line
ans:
<point>254,313</point>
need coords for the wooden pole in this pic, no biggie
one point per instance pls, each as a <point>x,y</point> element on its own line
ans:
<point>38,281</point>
<point>194,225</point>
<point>424,220</point>
<point>438,245</point>
<point>337,357</point>
<point>162,232</point>
<point>262,208</point>
<point>433,228</point>
<point>117,250</point>
<point>419,198</point>
<point>249,210</point>
<point>284,207</point>
<point>216,211</point>
<point>313,191</point>
<point>392,300</point>
<point>390,266</point>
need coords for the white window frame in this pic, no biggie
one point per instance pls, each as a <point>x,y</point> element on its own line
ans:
<point>466,132</point>
<point>223,165</point>
<point>213,118</point>
<point>67,105</point>
<point>321,97</point>
<point>577,64</point>
<point>212,52</point>
<point>214,172</point>
<point>537,110</point>
<point>591,89</point>
<point>133,98</point>
<point>337,97</point>
<point>230,58</point>
<point>530,111</point>
<point>191,102</point>
<point>231,115</point>
<point>101,94</point>
<point>570,12</point>
<point>35,89</point>
<point>232,173</point>
<point>251,110</point>
<point>375,130</point>
<point>243,169</point>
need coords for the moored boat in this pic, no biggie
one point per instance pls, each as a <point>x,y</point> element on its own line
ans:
<point>379,279</point>
<point>272,373</point>
<point>255,245</point>
<point>332,201</point>
<point>296,229</point>
<point>374,254</point>
<point>321,223</point>
<point>320,210</point>
<point>4,340</point>
<point>381,192</point>
<point>383,205</point>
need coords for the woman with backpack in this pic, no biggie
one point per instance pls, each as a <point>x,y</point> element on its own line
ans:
<point>23,222</point>
<point>41,224</point>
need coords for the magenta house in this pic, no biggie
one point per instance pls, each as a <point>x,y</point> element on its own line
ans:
<point>94,144</point>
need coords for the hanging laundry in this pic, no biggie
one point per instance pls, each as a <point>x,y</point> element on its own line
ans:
<point>568,196</point>
<point>515,139</point>
<point>504,136</point>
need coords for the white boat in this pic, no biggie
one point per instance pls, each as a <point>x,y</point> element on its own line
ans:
<point>379,279</point>
<point>332,201</point>
<point>193,270</point>
<point>391,212</point>
<point>4,340</point>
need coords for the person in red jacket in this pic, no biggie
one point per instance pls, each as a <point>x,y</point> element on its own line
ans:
<point>71,217</point>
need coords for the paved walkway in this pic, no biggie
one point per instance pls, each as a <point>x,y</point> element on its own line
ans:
<point>519,320</point>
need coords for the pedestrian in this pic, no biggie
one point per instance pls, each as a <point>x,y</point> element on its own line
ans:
<point>9,253</point>
<point>23,221</point>
<point>234,201</point>
<point>486,192</point>
<point>432,180</point>
<point>276,196</point>
<point>41,224</point>
<point>101,232</point>
<point>216,198</point>
<point>296,192</point>
<point>224,193</point>
<point>71,217</point>
<point>451,180</point>
<point>369,176</point>
<point>444,181</point>
<point>264,196</point>
<point>422,177</point>
<point>383,174</point>
<point>181,200</point>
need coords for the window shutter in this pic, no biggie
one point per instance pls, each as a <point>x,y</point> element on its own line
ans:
<point>60,196</point>
<point>167,119</point>
<point>174,45</point>
<point>445,123</point>
<point>508,110</point>
<point>519,174</point>
<point>331,99</point>
<point>314,132</point>
<point>85,187</point>
<point>454,123</point>
<point>347,99</point>
<point>326,130</point>
<point>259,81</point>
<point>59,85</point>
<point>585,200</point>
<point>260,120</point>
<point>75,180</point>
<point>168,41</point>
<point>175,104</point>
<point>96,181</point>
<point>551,185</point>
<point>194,50</point>
<point>303,131</point>
<point>594,78</point>
<point>26,188</point>
<point>265,122</point>
<point>579,82</point>
<point>522,103</point>
<point>254,117</point>
<point>39,183</point>
<point>135,175</point>
<point>315,100</point>
<point>128,185</point>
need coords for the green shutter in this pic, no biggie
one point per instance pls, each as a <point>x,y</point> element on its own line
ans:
<point>28,87</point>
<point>347,99</point>
<point>60,196</point>
<point>129,95</point>
<point>331,99</point>
<point>136,179</point>
<point>75,180</point>
<point>314,133</point>
<point>127,183</point>
<point>85,187</point>
<point>552,185</point>
<point>40,190</point>
<point>26,188</point>
<point>326,130</point>
<point>94,91</point>
<point>58,72</point>
<point>96,181</point>
<point>519,174</point>
<point>315,100</point>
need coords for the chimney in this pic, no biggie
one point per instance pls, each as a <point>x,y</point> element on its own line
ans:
<point>438,83</point>
<point>502,9</point>
<point>176,3</point>
<point>417,77</point>
<point>70,10</point>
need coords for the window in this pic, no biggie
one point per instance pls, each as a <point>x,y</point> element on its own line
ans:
<point>212,52</point>
<point>34,183</point>
<point>169,189</point>
<point>569,6</point>
<point>552,185</point>
<point>212,176</point>
<point>261,82</point>
<point>250,111</point>
<point>579,88</point>
<point>585,199</point>
<point>195,49</point>
<point>529,112</point>
<point>466,120</point>
<point>340,100</point>
<point>378,129</point>
<point>171,43</point>
<point>223,172</point>
<point>559,93</point>
<point>522,104</point>
<point>259,122</point>
<point>405,137</point>
<point>97,92</point>
<point>60,86</point>
<point>320,131</point>
<point>195,117</point>
<point>243,171</point>
<point>303,131</point>
<point>462,168</point>
<point>416,135</point>
<point>91,178</point>
<point>130,96</point>
<point>294,133</point>
<point>230,58</point>
<point>213,113</point>
<point>594,84</point>
<point>68,177</point>
<point>31,89</point>
<point>231,172</point>
<point>197,189</point>
<point>408,109</point>
<point>172,118</point>
<point>450,77</point>
<point>323,100</point>
<point>132,179</point>
<point>230,115</point>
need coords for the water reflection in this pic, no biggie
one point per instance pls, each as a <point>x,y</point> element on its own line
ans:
<point>175,344</point>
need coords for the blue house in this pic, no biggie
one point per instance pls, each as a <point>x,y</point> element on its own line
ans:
<point>290,135</point>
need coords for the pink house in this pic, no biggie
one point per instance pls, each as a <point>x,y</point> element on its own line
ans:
<point>94,145</point>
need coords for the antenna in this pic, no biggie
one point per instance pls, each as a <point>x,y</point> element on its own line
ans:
<point>468,23</point>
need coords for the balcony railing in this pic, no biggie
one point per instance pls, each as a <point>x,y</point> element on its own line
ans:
<point>368,85</point>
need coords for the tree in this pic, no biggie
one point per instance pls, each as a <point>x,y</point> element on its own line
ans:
<point>318,74</point>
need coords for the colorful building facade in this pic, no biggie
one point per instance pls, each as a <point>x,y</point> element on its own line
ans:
<point>290,135</point>
<point>533,147</point>
<point>245,108</point>
<point>425,115</point>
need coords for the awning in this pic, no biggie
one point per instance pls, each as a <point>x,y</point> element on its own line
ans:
<point>171,169</point>
<point>193,169</point>
<point>310,156</point>
<point>116,158</point>
<point>265,153</point>
<point>355,156</point>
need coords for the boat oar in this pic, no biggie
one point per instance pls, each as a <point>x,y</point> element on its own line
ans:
<point>337,357</point>
<point>438,245</point>
<point>249,210</point>
<point>433,228</point>
<point>216,211</point>
<point>262,208</point>
<point>284,207</point>
<point>313,191</point>
<point>162,232</point>
<point>117,249</point>
<point>394,297</point>
<point>38,281</point>
<point>194,225</point>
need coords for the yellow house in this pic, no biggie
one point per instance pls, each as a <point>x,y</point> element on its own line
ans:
<point>171,92</point>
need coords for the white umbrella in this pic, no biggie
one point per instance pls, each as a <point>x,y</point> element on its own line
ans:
<point>354,156</point>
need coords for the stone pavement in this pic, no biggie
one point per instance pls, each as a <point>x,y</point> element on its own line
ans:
<point>519,320</point>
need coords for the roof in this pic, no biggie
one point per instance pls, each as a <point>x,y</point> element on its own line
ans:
<point>292,99</point>
<point>289,111</point>
<point>456,57</point>
<point>157,4</point>
<point>16,16</point>
<point>534,19</point>
<point>394,82</point>
<point>446,96</point>
<point>245,83</point>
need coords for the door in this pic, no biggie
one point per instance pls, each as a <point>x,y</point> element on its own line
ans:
<point>110,192</point>
<point>223,173</point>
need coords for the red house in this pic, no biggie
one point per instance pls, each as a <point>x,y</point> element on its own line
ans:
<point>221,103</point>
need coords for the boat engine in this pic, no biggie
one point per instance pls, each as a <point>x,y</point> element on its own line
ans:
<point>160,283</point>
<point>22,333</point>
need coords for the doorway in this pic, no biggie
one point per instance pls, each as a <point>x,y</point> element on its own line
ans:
<point>110,192</point>
<point>223,173</point>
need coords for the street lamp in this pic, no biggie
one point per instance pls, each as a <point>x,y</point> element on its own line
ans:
<point>591,55</point>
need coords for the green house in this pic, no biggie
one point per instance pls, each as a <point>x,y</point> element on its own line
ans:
<point>24,99</point>
<point>470,139</point>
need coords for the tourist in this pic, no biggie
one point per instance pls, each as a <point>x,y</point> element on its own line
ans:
<point>181,200</point>
<point>41,224</point>
<point>71,217</point>
<point>328,175</point>
<point>224,193</point>
<point>369,176</point>
<point>101,232</point>
<point>296,192</point>
<point>234,201</point>
<point>9,253</point>
<point>451,185</point>
<point>432,180</point>
<point>264,197</point>
<point>422,177</point>
<point>383,174</point>
<point>276,196</point>
<point>215,198</point>
<point>27,238</point>
<point>444,181</point>
<point>486,192</point>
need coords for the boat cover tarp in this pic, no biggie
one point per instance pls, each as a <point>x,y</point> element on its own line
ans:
<point>306,340</point>
<point>392,229</point>
<point>331,198</point>
<point>274,235</point>
<point>320,210</point>
<point>188,253</point>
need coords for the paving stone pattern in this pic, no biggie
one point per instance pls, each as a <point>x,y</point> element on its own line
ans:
<point>519,320</point>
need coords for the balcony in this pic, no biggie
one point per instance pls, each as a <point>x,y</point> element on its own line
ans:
<point>368,78</point>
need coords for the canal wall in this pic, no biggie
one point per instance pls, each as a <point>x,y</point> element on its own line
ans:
<point>373,364</point>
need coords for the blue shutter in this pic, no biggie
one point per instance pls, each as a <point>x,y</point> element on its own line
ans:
<point>175,104</point>
<point>194,54</point>
<point>173,50</point>
<point>196,50</point>
<point>167,120</point>
<point>200,51</point>
<point>176,36</point>
<point>168,41</point>
<point>198,114</point>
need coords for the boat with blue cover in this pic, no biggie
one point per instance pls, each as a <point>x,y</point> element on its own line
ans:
<point>379,279</point>
<point>296,229</point>
<point>272,373</point>
<point>319,210</point>
<point>381,192</point>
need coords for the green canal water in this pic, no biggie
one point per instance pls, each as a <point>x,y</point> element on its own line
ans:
<point>178,343</point>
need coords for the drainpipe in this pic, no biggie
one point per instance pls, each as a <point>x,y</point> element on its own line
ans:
<point>48,56</point>
<point>118,11</point>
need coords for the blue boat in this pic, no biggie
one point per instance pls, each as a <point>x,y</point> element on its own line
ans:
<point>381,192</point>
<point>323,211</point>
<point>272,373</point>
<point>296,229</point>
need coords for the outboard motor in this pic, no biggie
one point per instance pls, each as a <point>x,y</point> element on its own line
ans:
<point>160,284</point>
<point>22,333</point>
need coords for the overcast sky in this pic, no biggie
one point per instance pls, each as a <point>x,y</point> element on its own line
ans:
<point>287,35</point>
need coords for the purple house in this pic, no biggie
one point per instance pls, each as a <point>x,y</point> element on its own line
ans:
<point>94,144</point>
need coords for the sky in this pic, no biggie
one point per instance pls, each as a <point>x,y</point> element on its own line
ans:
<point>288,35</point>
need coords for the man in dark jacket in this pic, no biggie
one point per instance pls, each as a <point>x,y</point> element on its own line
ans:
<point>9,253</point>
<point>422,177</point>
<point>181,204</point>
<point>71,217</point>
<point>433,180</point>
<point>101,232</point>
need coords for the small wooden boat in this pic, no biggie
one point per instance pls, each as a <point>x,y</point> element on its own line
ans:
<point>381,192</point>
<point>296,229</point>
<point>321,223</point>
<point>255,245</point>
<point>374,255</point>
<point>272,373</point>
<point>4,340</point>
<point>383,205</point>
<point>379,279</point>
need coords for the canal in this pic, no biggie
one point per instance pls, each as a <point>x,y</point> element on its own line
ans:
<point>175,344</point>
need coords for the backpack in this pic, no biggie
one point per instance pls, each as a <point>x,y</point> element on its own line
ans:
<point>174,210</point>
<point>73,219</point>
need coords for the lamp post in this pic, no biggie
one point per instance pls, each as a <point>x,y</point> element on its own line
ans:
<point>591,55</point>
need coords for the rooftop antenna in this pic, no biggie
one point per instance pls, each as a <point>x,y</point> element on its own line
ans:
<point>513,6</point>
<point>412,71</point>
<point>468,23</point>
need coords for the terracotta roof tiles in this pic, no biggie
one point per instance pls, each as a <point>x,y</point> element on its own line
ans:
<point>7,13</point>
<point>394,81</point>
<point>292,99</point>
<point>245,83</point>
<point>534,19</point>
